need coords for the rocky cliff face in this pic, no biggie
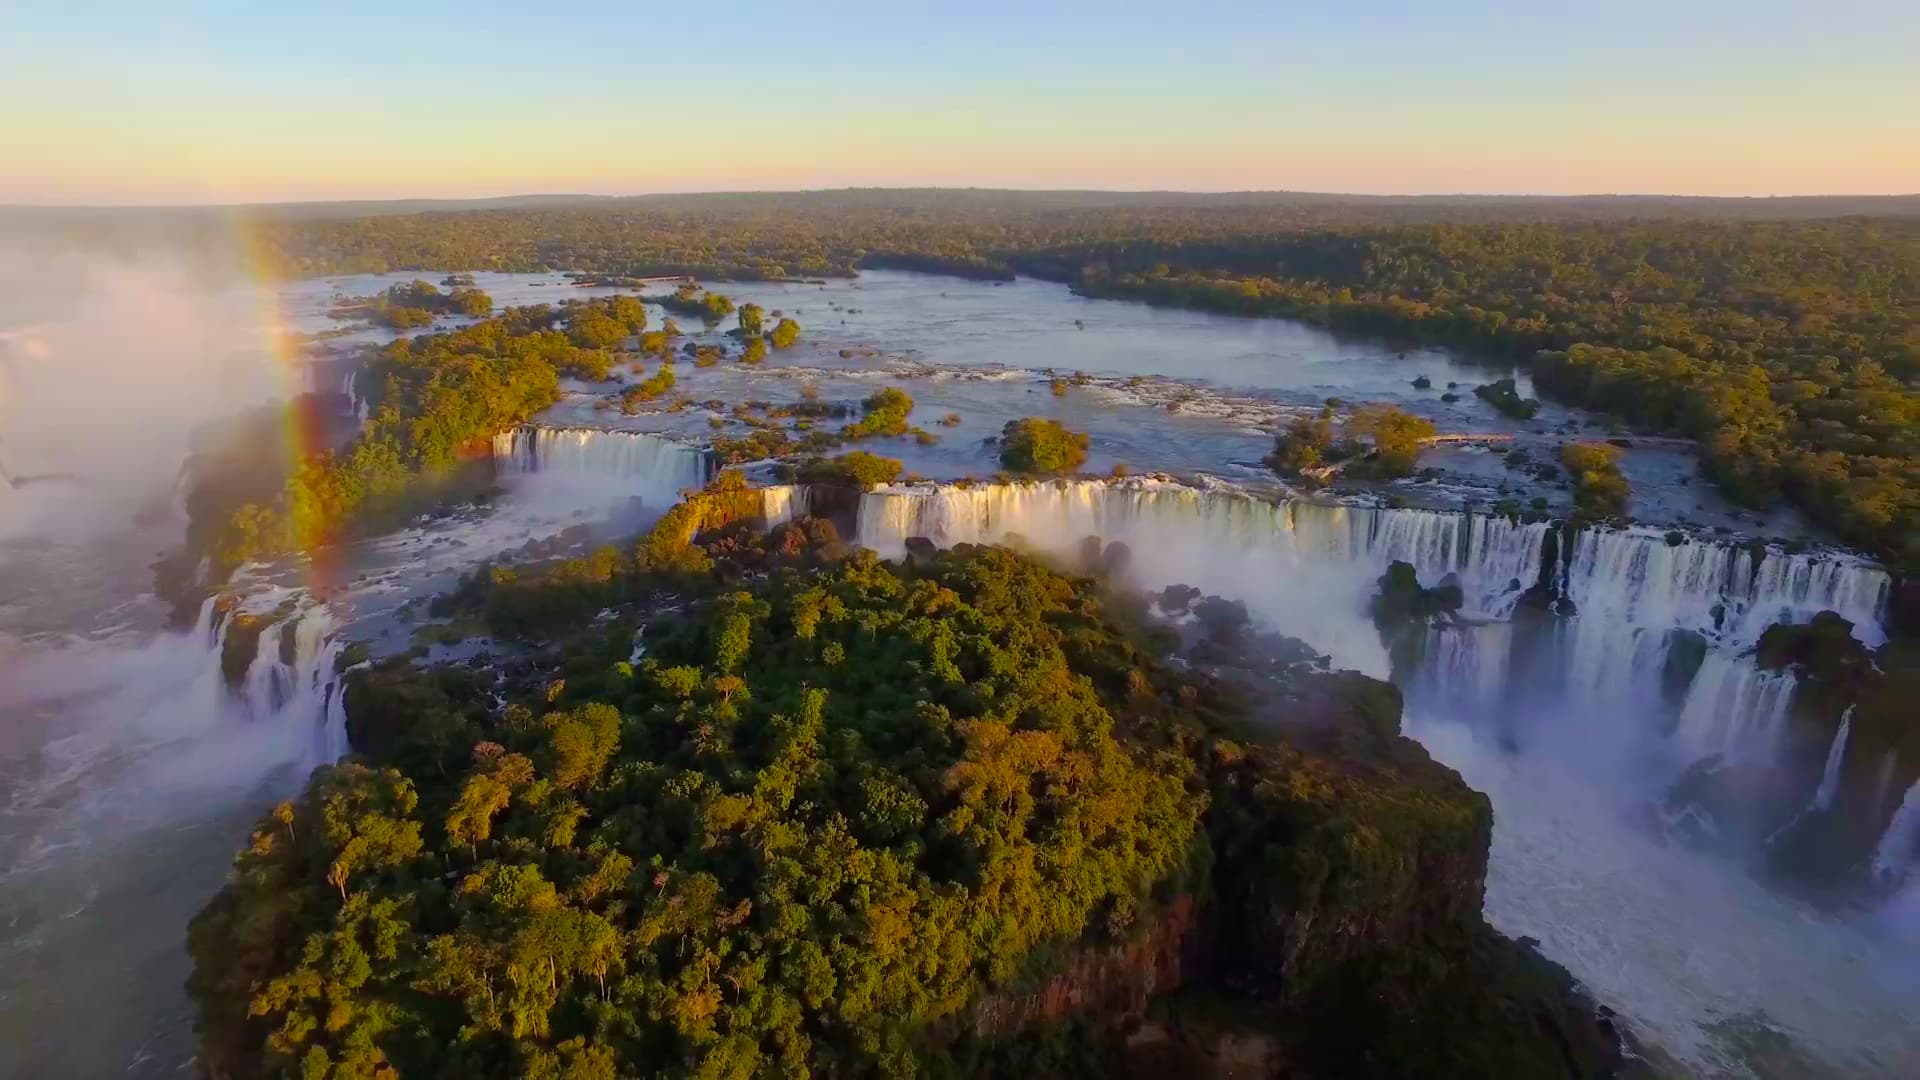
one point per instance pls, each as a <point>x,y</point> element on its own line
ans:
<point>1350,872</point>
<point>1114,983</point>
<point>1338,927</point>
<point>1853,748</point>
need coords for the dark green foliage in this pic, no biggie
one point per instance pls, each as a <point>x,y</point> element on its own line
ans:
<point>1396,436</point>
<point>1348,876</point>
<point>1401,597</point>
<point>437,401</point>
<point>689,299</point>
<point>1599,489</point>
<point>1778,333</point>
<point>415,304</point>
<point>1502,395</point>
<point>885,412</point>
<point>743,854</point>
<point>752,320</point>
<point>1345,840</point>
<point>857,468</point>
<point>757,445</point>
<point>785,333</point>
<point>1302,447</point>
<point>606,323</point>
<point>648,389</point>
<point>938,818</point>
<point>1041,447</point>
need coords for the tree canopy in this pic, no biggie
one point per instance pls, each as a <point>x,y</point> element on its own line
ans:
<point>1044,447</point>
<point>818,820</point>
<point>1779,333</point>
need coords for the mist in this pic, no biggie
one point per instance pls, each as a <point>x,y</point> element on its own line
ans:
<point>108,362</point>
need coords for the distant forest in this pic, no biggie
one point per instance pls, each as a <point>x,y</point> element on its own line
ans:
<point>1784,334</point>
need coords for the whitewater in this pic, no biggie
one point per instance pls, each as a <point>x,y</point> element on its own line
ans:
<point>1565,728</point>
<point>133,757</point>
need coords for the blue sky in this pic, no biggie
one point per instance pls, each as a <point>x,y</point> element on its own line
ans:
<point>231,102</point>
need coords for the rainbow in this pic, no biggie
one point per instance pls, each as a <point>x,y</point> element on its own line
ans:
<point>304,422</point>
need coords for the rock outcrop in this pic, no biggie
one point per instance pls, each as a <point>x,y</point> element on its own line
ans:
<point>1338,927</point>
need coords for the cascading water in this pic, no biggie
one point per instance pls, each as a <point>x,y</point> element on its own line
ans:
<point>1734,709</point>
<point>1896,848</point>
<point>1836,756</point>
<point>1649,578</point>
<point>1592,714</point>
<point>784,502</point>
<point>136,764</point>
<point>653,467</point>
<point>1497,559</point>
<point>291,682</point>
<point>1303,565</point>
<point>356,405</point>
<point>1636,591</point>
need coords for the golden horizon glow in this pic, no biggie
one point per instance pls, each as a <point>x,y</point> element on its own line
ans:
<point>1726,100</point>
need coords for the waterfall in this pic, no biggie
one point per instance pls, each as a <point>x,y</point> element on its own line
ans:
<point>1636,575</point>
<point>1836,754</point>
<point>356,405</point>
<point>290,682</point>
<point>785,502</point>
<point>1495,558</point>
<point>203,628</point>
<point>1734,709</point>
<point>1608,671</point>
<point>1466,667</point>
<point>1630,577</point>
<point>655,467</point>
<point>1895,850</point>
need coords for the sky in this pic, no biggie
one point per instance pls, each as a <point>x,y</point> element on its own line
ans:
<point>184,102</point>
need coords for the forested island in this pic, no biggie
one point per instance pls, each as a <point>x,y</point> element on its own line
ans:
<point>415,304</point>
<point>780,807</point>
<point>1778,333</point>
<point>434,402</point>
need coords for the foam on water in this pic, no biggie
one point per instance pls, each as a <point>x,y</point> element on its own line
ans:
<point>656,468</point>
<point>1689,949</point>
<point>1836,756</point>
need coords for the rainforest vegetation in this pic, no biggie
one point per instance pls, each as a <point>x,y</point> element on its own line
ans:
<point>1377,441</point>
<point>786,809</point>
<point>435,400</point>
<point>415,304</point>
<point>1599,489</point>
<point>1041,447</point>
<point>1781,335</point>
<point>883,413</point>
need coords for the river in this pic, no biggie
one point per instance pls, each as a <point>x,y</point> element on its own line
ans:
<point>129,772</point>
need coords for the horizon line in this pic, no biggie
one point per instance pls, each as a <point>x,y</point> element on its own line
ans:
<point>1221,192</point>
